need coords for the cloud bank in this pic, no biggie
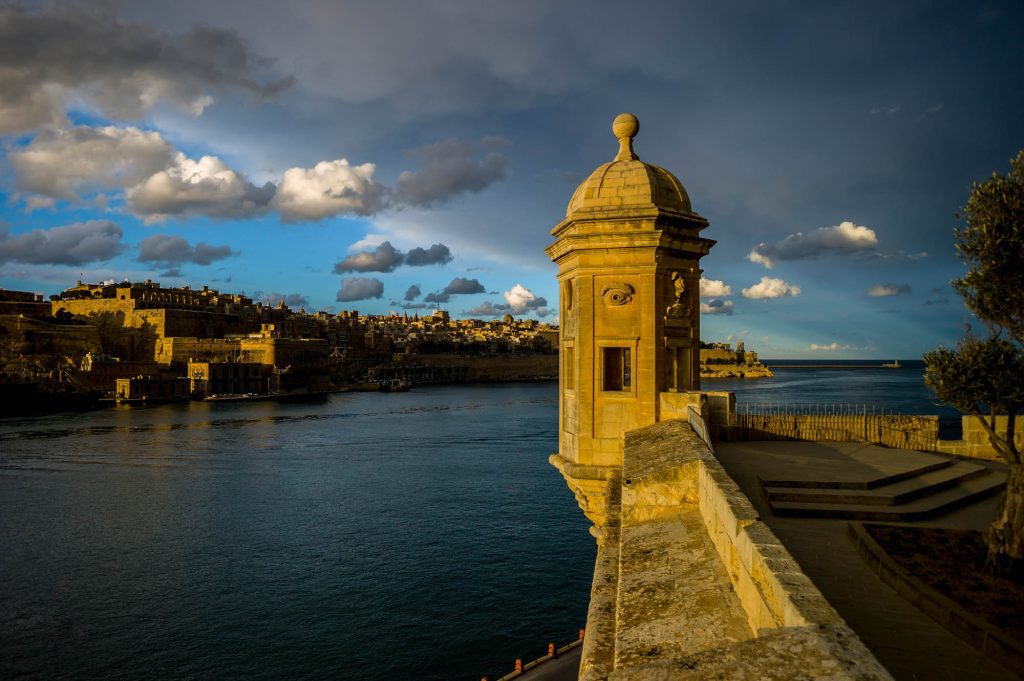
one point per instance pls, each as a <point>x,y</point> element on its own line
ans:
<point>66,53</point>
<point>845,237</point>
<point>75,244</point>
<point>168,251</point>
<point>451,168</point>
<point>385,258</point>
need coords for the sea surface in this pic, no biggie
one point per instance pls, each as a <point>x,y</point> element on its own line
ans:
<point>858,384</point>
<point>418,535</point>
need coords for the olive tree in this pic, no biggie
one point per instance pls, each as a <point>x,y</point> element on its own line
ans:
<point>984,377</point>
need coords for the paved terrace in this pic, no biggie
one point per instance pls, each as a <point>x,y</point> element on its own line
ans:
<point>910,644</point>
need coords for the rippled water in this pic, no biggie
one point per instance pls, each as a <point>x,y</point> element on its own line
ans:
<point>420,535</point>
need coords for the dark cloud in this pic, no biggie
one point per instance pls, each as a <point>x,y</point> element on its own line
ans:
<point>462,285</point>
<point>385,258</point>
<point>359,288</point>
<point>415,306</point>
<point>717,306</point>
<point>457,286</point>
<point>74,244</point>
<point>486,309</point>
<point>438,254</point>
<point>66,53</point>
<point>173,272</point>
<point>273,299</point>
<point>413,292</point>
<point>437,297</point>
<point>171,250</point>
<point>451,168</point>
<point>845,237</point>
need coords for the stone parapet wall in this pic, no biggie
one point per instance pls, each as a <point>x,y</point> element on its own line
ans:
<point>975,443</point>
<point>669,474</point>
<point>900,432</point>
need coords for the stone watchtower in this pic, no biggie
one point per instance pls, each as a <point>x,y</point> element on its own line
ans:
<point>628,254</point>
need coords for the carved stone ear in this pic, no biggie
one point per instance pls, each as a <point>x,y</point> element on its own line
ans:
<point>618,293</point>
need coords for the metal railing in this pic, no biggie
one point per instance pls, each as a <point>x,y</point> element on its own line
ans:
<point>834,422</point>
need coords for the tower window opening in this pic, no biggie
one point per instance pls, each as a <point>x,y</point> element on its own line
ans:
<point>618,370</point>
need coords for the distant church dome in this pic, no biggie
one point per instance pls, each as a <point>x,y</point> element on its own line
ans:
<point>627,183</point>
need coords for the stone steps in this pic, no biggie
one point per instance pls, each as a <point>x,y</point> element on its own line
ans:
<point>936,501</point>
<point>871,483</point>
<point>907,488</point>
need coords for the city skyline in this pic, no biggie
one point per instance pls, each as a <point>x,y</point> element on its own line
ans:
<point>380,157</point>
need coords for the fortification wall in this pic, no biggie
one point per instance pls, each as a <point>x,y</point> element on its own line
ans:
<point>509,368</point>
<point>671,478</point>
<point>975,442</point>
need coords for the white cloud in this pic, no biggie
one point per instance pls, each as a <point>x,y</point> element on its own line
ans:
<point>328,189</point>
<point>64,163</point>
<point>521,299</point>
<point>769,288</point>
<point>714,288</point>
<point>367,242</point>
<point>716,306</point>
<point>845,237</point>
<point>888,290</point>
<point>830,347</point>
<point>205,187</point>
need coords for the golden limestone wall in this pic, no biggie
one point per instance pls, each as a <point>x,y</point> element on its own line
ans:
<point>975,442</point>
<point>628,254</point>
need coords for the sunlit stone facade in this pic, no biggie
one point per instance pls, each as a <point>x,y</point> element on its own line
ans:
<point>628,253</point>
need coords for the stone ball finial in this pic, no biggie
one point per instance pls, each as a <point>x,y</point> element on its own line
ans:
<point>625,127</point>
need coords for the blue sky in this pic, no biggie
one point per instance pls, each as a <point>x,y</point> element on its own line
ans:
<point>263,148</point>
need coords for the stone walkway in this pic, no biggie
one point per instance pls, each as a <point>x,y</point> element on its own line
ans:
<point>563,668</point>
<point>911,645</point>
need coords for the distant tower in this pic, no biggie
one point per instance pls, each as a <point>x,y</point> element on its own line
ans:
<point>628,254</point>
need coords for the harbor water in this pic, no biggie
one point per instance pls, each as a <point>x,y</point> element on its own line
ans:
<point>418,535</point>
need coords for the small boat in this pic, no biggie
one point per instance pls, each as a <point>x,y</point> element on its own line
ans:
<point>395,385</point>
<point>895,364</point>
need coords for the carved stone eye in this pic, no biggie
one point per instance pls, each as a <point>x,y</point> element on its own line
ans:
<point>617,294</point>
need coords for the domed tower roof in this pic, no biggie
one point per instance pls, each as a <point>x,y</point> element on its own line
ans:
<point>627,184</point>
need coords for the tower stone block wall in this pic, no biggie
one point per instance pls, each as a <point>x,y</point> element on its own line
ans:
<point>628,253</point>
